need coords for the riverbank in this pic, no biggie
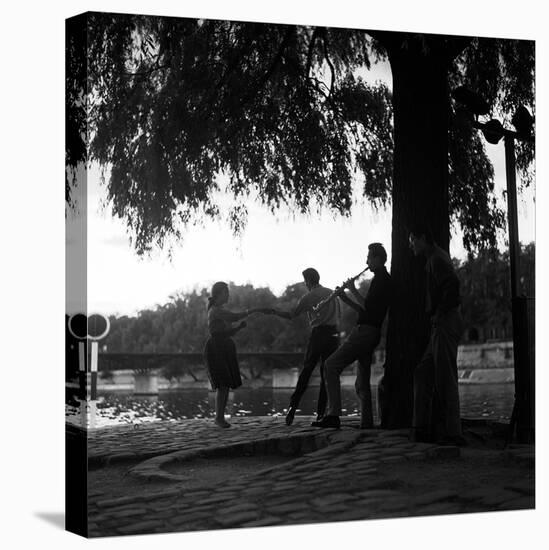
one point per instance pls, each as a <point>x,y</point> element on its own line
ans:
<point>189,475</point>
<point>488,401</point>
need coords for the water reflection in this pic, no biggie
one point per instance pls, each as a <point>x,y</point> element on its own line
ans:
<point>493,401</point>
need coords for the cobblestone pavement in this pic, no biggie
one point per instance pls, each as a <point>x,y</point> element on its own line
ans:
<point>328,475</point>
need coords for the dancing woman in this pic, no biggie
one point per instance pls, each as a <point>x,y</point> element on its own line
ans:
<point>220,350</point>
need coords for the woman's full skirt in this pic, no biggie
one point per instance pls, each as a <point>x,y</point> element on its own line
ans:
<point>222,362</point>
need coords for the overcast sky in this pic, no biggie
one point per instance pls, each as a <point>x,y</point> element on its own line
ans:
<point>272,251</point>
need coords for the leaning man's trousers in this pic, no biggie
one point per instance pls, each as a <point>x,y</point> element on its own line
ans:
<point>436,379</point>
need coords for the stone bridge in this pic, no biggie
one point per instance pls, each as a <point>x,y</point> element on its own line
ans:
<point>147,373</point>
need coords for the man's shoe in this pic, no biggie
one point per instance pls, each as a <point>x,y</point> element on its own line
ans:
<point>328,422</point>
<point>290,416</point>
<point>452,441</point>
<point>319,417</point>
<point>418,435</point>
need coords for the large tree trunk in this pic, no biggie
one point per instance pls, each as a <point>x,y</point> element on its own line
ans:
<point>420,192</point>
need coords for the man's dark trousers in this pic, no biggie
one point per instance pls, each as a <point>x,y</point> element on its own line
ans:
<point>436,379</point>
<point>322,343</point>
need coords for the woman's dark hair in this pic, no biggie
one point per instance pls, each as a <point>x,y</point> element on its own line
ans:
<point>311,274</point>
<point>378,251</point>
<point>217,289</point>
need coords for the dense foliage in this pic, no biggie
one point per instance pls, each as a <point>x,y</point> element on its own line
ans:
<point>502,73</point>
<point>173,103</point>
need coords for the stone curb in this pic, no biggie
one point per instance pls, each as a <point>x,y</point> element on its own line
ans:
<point>310,444</point>
<point>154,468</point>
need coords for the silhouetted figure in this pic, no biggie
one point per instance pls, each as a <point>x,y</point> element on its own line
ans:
<point>220,350</point>
<point>436,376</point>
<point>362,341</point>
<point>323,340</point>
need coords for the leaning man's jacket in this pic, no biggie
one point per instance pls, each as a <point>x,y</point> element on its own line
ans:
<point>442,283</point>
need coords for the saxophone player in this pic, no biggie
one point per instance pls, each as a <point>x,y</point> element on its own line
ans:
<point>323,340</point>
<point>361,342</point>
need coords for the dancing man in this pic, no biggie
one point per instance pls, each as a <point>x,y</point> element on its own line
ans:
<point>323,339</point>
<point>436,376</point>
<point>362,341</point>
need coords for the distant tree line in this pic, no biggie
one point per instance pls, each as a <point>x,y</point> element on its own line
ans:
<point>180,325</point>
<point>486,292</point>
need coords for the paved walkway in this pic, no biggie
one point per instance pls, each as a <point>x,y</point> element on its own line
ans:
<point>147,479</point>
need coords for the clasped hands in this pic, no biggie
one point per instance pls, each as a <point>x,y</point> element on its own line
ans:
<point>263,310</point>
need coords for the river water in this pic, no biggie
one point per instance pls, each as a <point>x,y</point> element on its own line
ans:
<point>494,401</point>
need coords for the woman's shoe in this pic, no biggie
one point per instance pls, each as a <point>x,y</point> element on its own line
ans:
<point>222,423</point>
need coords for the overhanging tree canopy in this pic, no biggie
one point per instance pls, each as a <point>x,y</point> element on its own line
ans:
<point>173,103</point>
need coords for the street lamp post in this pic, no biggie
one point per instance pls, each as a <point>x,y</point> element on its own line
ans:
<point>523,410</point>
<point>522,418</point>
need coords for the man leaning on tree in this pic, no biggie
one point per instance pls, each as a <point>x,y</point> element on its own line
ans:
<point>436,412</point>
